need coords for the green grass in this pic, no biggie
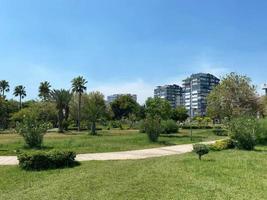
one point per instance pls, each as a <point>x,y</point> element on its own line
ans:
<point>231,174</point>
<point>106,141</point>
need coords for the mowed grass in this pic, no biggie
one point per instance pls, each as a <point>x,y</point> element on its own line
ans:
<point>106,141</point>
<point>231,174</point>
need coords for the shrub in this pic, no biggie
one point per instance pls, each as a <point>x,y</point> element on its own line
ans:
<point>32,131</point>
<point>46,160</point>
<point>219,131</point>
<point>222,145</point>
<point>201,149</point>
<point>243,131</point>
<point>169,126</point>
<point>261,134</point>
<point>153,128</point>
<point>196,127</point>
<point>142,126</point>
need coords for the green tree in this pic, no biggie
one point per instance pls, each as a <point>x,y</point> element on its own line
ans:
<point>44,90</point>
<point>21,92</point>
<point>78,86</point>
<point>41,111</point>
<point>158,107</point>
<point>123,106</point>
<point>62,99</point>
<point>3,113</point>
<point>235,96</point>
<point>95,108</point>
<point>179,114</point>
<point>4,87</point>
<point>153,128</point>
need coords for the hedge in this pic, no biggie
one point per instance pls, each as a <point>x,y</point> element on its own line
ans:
<point>47,160</point>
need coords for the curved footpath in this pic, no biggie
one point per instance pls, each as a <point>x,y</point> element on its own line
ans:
<point>123,155</point>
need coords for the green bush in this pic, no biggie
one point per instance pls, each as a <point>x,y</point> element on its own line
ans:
<point>169,126</point>
<point>222,145</point>
<point>201,149</point>
<point>261,134</point>
<point>47,160</point>
<point>32,131</point>
<point>142,126</point>
<point>220,132</point>
<point>194,126</point>
<point>153,128</point>
<point>243,131</point>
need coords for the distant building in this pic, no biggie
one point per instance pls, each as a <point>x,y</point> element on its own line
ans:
<point>196,89</point>
<point>113,97</point>
<point>172,93</point>
<point>264,87</point>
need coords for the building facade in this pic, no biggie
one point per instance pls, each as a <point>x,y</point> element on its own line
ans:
<point>113,97</point>
<point>172,93</point>
<point>196,89</point>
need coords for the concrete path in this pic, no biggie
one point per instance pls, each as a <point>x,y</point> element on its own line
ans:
<point>123,155</point>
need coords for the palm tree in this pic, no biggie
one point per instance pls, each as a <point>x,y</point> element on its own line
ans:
<point>44,90</point>
<point>78,86</point>
<point>4,87</point>
<point>21,92</point>
<point>62,99</point>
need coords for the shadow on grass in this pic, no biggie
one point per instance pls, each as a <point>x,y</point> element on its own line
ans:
<point>166,143</point>
<point>73,165</point>
<point>181,136</point>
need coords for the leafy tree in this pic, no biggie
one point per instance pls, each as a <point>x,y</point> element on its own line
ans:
<point>78,86</point>
<point>74,107</point>
<point>179,114</point>
<point>123,106</point>
<point>234,97</point>
<point>95,108</point>
<point>3,113</point>
<point>4,87</point>
<point>32,131</point>
<point>62,99</point>
<point>41,111</point>
<point>263,106</point>
<point>244,131</point>
<point>21,92</point>
<point>153,128</point>
<point>44,90</point>
<point>158,107</point>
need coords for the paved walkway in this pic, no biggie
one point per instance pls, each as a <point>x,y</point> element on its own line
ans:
<point>124,155</point>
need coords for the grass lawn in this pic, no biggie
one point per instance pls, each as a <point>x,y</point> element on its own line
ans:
<point>106,141</point>
<point>231,174</point>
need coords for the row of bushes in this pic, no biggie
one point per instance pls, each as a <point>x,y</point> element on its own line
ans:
<point>194,126</point>
<point>165,126</point>
<point>47,160</point>
<point>222,145</point>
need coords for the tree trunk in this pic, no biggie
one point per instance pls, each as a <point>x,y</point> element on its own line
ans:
<point>79,112</point>
<point>93,128</point>
<point>20,103</point>
<point>199,157</point>
<point>60,122</point>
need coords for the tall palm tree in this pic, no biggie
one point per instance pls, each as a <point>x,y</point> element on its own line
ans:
<point>44,90</point>
<point>78,86</point>
<point>62,99</point>
<point>21,92</point>
<point>4,87</point>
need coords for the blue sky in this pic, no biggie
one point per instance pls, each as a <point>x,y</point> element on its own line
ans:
<point>130,45</point>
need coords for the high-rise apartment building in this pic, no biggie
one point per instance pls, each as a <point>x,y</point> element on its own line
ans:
<point>172,93</point>
<point>196,89</point>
